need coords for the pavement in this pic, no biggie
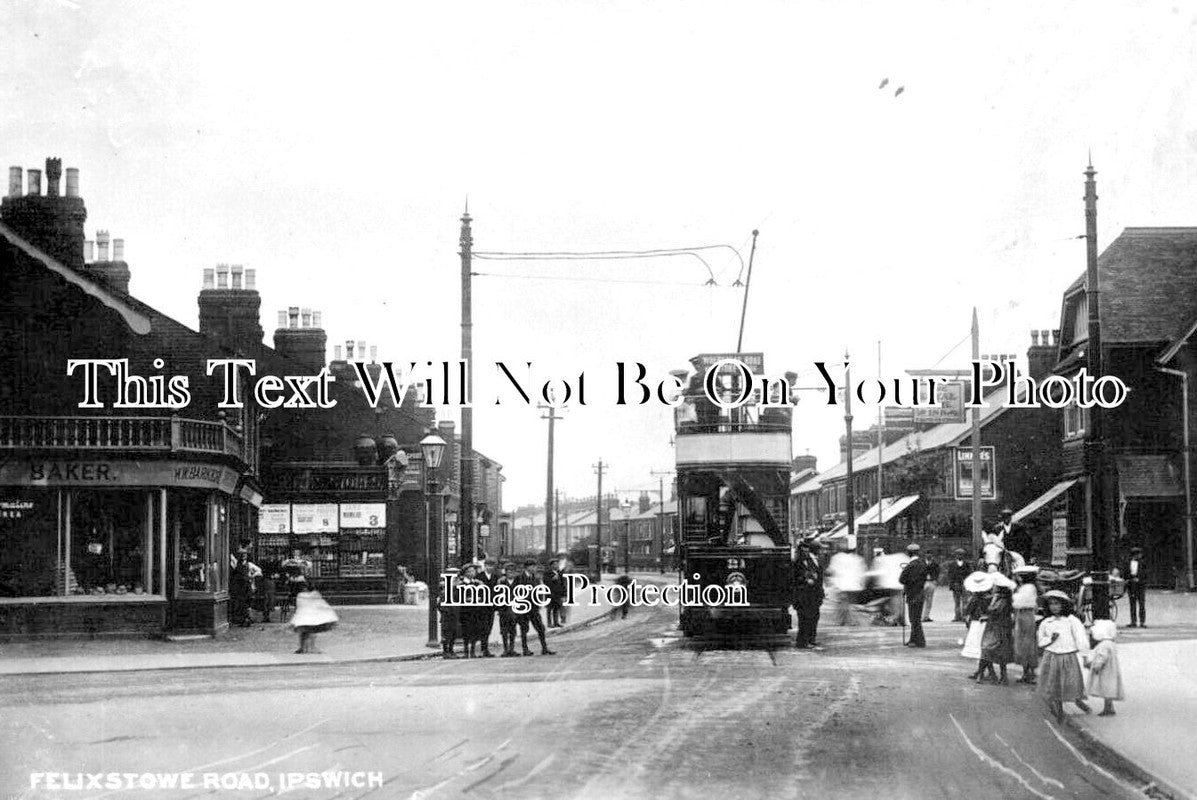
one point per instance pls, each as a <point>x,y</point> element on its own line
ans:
<point>1151,735</point>
<point>363,634</point>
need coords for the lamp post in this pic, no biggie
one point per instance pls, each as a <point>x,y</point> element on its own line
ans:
<point>432,447</point>
<point>626,507</point>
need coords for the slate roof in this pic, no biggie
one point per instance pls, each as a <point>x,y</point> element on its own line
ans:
<point>1148,282</point>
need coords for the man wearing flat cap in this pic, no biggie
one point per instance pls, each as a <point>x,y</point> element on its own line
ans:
<point>958,570</point>
<point>913,579</point>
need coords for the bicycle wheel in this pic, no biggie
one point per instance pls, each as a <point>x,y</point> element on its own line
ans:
<point>1113,610</point>
<point>1085,612</point>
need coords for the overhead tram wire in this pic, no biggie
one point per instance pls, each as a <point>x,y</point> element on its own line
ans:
<point>566,255</point>
<point>587,280</point>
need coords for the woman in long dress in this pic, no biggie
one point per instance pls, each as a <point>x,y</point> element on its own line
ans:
<point>997,643</point>
<point>1025,602</point>
<point>312,615</point>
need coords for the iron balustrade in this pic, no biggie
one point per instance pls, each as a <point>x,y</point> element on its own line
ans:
<point>164,434</point>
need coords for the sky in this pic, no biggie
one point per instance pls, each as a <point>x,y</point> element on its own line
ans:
<point>332,148</point>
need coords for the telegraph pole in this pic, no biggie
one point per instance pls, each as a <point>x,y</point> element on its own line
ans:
<point>549,540</point>
<point>850,496</point>
<point>660,476</point>
<point>466,544</point>
<point>599,469</point>
<point>1095,435</point>
<point>557,521</point>
<point>976,444</point>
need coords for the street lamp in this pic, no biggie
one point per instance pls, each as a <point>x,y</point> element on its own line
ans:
<point>627,534</point>
<point>432,447</point>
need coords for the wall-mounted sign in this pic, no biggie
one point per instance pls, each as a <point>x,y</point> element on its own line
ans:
<point>363,515</point>
<point>1060,540</point>
<point>274,518</point>
<point>949,409</point>
<point>15,509</point>
<point>314,518</point>
<point>117,473</point>
<point>965,474</point>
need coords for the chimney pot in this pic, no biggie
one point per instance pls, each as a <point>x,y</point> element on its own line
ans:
<point>222,276</point>
<point>118,249</point>
<point>348,349</point>
<point>237,271</point>
<point>1034,338</point>
<point>35,182</point>
<point>361,349</point>
<point>305,318</point>
<point>282,319</point>
<point>373,353</point>
<point>251,280</point>
<point>102,243</point>
<point>15,179</point>
<point>1056,337</point>
<point>337,352</point>
<point>209,278</point>
<point>53,176</point>
<point>293,316</point>
<point>89,251</point>
<point>316,319</point>
<point>72,182</point>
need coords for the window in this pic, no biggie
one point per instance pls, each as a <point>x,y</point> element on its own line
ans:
<point>63,543</point>
<point>200,527</point>
<point>1076,421</point>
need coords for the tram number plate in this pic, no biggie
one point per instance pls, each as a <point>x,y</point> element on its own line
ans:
<point>735,563</point>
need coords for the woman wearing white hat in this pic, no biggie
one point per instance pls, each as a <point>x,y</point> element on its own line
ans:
<point>1061,636</point>
<point>978,586</point>
<point>997,643</point>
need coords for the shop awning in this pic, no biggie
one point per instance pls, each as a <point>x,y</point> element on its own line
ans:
<point>891,507</point>
<point>1148,476</point>
<point>838,532</point>
<point>1040,502</point>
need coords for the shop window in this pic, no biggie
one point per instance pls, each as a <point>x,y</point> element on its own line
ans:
<point>29,544</point>
<point>111,542</point>
<point>200,527</point>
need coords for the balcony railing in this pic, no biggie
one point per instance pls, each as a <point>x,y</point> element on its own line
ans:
<point>120,434</point>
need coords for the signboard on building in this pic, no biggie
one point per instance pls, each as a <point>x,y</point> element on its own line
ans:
<point>363,515</point>
<point>115,474</point>
<point>274,518</point>
<point>314,518</point>
<point>1060,540</point>
<point>965,474</point>
<point>949,409</point>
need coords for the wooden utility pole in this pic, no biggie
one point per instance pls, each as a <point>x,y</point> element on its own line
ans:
<point>599,469</point>
<point>850,495</point>
<point>1095,434</point>
<point>549,539</point>
<point>466,542</point>
<point>976,443</point>
<point>660,476</point>
<point>557,522</point>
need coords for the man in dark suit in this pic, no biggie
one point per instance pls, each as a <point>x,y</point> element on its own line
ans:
<point>530,578</point>
<point>1013,535</point>
<point>1136,587</point>
<point>808,592</point>
<point>913,580</point>
<point>556,583</point>
<point>489,577</point>
<point>958,570</point>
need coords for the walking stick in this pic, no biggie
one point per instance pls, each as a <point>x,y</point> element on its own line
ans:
<point>902,617</point>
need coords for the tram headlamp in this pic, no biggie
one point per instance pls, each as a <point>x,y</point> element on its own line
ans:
<point>737,579</point>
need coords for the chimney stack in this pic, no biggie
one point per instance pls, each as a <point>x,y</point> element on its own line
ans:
<point>1041,356</point>
<point>118,249</point>
<point>52,223</point>
<point>72,182</point>
<point>53,176</point>
<point>102,243</point>
<point>231,309</point>
<point>299,340</point>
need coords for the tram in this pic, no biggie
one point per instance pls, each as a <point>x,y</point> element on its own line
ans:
<point>733,479</point>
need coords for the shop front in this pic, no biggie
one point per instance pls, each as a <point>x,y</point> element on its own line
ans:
<point>104,546</point>
<point>334,517</point>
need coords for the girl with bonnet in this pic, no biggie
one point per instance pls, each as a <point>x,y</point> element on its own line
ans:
<point>1105,678</point>
<point>1025,602</point>
<point>1062,636</point>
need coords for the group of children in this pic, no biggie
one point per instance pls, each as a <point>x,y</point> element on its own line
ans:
<point>473,623</point>
<point>1002,629</point>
